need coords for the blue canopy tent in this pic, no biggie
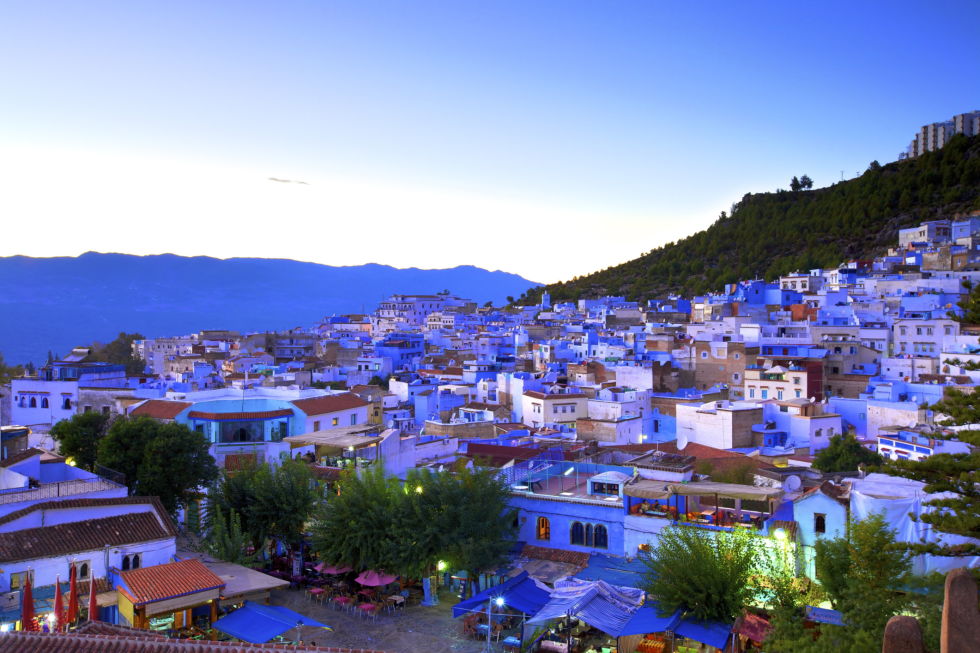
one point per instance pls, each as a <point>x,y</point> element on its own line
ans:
<point>647,619</point>
<point>521,593</point>
<point>711,633</point>
<point>615,571</point>
<point>257,623</point>
<point>599,604</point>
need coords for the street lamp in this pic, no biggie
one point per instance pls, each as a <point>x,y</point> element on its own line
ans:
<point>500,603</point>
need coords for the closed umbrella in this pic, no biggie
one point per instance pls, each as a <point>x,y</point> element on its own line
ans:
<point>72,595</point>
<point>59,605</point>
<point>93,606</point>
<point>27,606</point>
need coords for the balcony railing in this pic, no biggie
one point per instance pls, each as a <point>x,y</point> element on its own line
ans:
<point>56,490</point>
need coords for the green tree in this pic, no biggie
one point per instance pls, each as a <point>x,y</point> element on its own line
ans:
<point>794,184</point>
<point>226,540</point>
<point>167,460</point>
<point>805,182</point>
<point>703,572</point>
<point>78,437</point>
<point>958,475</point>
<point>844,454</point>
<point>284,500</point>
<point>119,352</point>
<point>234,492</point>
<point>8,372</point>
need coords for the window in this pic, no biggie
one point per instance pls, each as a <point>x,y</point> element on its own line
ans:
<point>799,393</point>
<point>44,402</point>
<point>704,354</point>
<point>737,356</point>
<point>765,393</point>
<point>601,537</point>
<point>105,410</point>
<point>554,409</point>
<point>33,403</point>
<point>83,569</point>
<point>334,421</point>
<point>125,563</point>
<point>606,488</point>
<point>353,420</point>
<point>819,522</point>
<point>87,409</point>
<point>17,580</point>
<point>544,529</point>
<point>751,393</point>
<point>589,535</point>
<point>779,394</point>
<point>796,380</point>
<point>66,403</point>
<point>576,534</point>
<point>316,425</point>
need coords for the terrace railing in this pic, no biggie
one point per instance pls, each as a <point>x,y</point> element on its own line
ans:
<point>56,490</point>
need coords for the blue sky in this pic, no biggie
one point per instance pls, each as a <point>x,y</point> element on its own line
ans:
<point>544,138</point>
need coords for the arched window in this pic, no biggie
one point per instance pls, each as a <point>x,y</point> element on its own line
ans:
<point>588,535</point>
<point>601,537</point>
<point>577,534</point>
<point>33,403</point>
<point>66,403</point>
<point>544,529</point>
<point>136,561</point>
<point>83,571</point>
<point>44,402</point>
<point>125,563</point>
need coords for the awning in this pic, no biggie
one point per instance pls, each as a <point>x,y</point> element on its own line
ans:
<point>647,489</point>
<point>335,438</point>
<point>615,571</point>
<point>710,633</point>
<point>733,490</point>
<point>521,593</point>
<point>258,624</point>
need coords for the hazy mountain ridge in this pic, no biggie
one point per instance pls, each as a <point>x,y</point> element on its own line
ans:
<point>61,302</point>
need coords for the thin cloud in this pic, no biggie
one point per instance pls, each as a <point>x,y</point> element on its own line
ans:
<point>288,181</point>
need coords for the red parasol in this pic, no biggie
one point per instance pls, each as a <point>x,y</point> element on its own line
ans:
<point>27,607</point>
<point>93,606</point>
<point>72,613</point>
<point>59,605</point>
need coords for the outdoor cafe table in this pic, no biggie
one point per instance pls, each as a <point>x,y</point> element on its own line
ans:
<point>512,643</point>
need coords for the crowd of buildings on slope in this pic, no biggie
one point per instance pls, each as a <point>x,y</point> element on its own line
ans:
<point>607,417</point>
<point>935,135</point>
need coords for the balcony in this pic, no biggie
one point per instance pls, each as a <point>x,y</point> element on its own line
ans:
<point>59,490</point>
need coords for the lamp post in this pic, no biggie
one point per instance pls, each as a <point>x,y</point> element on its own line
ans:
<point>500,603</point>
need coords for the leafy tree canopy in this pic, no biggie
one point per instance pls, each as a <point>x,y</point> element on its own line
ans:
<point>844,454</point>
<point>78,437</point>
<point>119,352</point>
<point>167,460</point>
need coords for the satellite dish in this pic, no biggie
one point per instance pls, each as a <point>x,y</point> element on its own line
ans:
<point>792,483</point>
<point>681,440</point>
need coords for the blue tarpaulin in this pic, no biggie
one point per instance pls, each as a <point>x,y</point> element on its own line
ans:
<point>615,571</point>
<point>710,633</point>
<point>824,616</point>
<point>648,620</point>
<point>257,624</point>
<point>599,604</point>
<point>520,593</point>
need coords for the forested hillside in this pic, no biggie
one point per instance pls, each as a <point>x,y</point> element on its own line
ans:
<point>769,234</point>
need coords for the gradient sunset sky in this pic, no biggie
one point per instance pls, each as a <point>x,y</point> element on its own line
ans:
<point>549,139</point>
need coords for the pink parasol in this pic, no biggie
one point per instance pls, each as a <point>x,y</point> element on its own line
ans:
<point>324,568</point>
<point>59,606</point>
<point>27,608</point>
<point>373,578</point>
<point>72,613</point>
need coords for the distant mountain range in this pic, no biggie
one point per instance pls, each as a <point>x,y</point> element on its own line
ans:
<point>59,303</point>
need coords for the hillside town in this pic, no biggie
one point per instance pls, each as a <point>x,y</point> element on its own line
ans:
<point>608,423</point>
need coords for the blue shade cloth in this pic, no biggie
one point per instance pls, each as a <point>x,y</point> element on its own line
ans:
<point>257,624</point>
<point>615,571</point>
<point>648,620</point>
<point>520,593</point>
<point>599,604</point>
<point>710,633</point>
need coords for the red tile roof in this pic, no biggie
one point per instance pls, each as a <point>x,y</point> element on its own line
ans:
<point>124,640</point>
<point>160,409</point>
<point>68,504</point>
<point>77,537</point>
<point>170,580</point>
<point>261,414</point>
<point>329,403</point>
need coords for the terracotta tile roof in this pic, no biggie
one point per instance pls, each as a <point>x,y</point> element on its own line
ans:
<point>160,409</point>
<point>261,414</point>
<point>497,454</point>
<point>555,555</point>
<point>20,457</point>
<point>126,641</point>
<point>68,504</point>
<point>329,403</point>
<point>170,580</point>
<point>77,537</point>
